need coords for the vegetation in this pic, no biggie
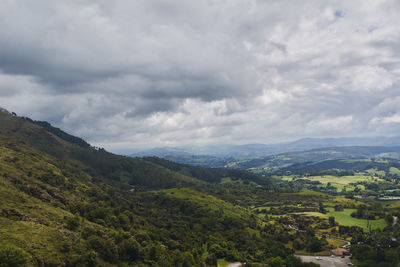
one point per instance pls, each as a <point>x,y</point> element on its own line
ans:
<point>64,202</point>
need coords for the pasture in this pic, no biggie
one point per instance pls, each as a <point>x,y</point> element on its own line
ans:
<point>344,218</point>
<point>394,170</point>
<point>340,182</point>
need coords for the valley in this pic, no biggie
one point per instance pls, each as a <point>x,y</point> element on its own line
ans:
<point>64,202</point>
<point>210,133</point>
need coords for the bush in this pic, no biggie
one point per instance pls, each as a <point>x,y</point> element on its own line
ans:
<point>232,255</point>
<point>72,223</point>
<point>87,259</point>
<point>105,247</point>
<point>13,257</point>
<point>314,245</point>
<point>217,250</point>
<point>129,249</point>
<point>298,244</point>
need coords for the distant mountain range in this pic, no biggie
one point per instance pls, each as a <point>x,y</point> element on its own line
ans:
<point>261,150</point>
<point>318,155</point>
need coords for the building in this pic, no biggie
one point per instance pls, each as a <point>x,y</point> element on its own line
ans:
<point>340,252</point>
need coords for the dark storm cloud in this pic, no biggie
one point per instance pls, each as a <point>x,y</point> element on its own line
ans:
<point>127,73</point>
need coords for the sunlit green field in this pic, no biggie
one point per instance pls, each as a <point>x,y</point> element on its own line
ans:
<point>392,204</point>
<point>376,172</point>
<point>338,181</point>
<point>344,218</point>
<point>314,214</point>
<point>394,170</point>
<point>336,243</point>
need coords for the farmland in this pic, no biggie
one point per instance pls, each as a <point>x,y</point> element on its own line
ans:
<point>339,182</point>
<point>344,218</point>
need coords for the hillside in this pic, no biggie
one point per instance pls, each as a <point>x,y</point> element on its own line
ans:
<point>316,155</point>
<point>288,158</point>
<point>96,162</point>
<point>63,202</point>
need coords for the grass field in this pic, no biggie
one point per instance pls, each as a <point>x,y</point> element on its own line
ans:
<point>206,202</point>
<point>392,204</point>
<point>336,243</point>
<point>344,218</point>
<point>223,263</point>
<point>376,172</point>
<point>313,214</point>
<point>394,170</point>
<point>338,181</point>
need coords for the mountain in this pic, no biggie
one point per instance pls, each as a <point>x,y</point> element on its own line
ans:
<point>66,203</point>
<point>259,150</point>
<point>316,155</point>
<point>162,152</point>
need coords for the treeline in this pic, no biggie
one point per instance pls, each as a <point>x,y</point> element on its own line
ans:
<point>214,175</point>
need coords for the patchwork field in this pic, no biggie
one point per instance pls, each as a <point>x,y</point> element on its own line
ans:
<point>339,182</point>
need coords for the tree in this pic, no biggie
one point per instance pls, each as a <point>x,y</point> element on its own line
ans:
<point>322,208</point>
<point>338,208</point>
<point>276,262</point>
<point>331,221</point>
<point>298,244</point>
<point>217,250</point>
<point>211,260</point>
<point>72,223</point>
<point>129,249</point>
<point>105,247</point>
<point>389,219</point>
<point>314,245</point>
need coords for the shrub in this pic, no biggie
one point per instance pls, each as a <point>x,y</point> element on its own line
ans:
<point>13,257</point>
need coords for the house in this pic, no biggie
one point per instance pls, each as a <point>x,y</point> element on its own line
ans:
<point>340,252</point>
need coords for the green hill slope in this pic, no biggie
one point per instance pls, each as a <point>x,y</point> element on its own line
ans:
<point>64,203</point>
<point>96,162</point>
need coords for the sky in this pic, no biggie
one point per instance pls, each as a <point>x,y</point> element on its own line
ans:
<point>128,75</point>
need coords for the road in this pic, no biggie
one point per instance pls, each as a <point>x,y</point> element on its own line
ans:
<point>327,261</point>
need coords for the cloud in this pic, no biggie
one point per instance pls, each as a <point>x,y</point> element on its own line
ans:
<point>144,73</point>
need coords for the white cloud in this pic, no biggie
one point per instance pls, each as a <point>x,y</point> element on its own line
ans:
<point>144,73</point>
<point>369,78</point>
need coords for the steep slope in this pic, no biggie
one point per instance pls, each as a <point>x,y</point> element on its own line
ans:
<point>53,213</point>
<point>97,162</point>
<point>58,209</point>
<point>38,194</point>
